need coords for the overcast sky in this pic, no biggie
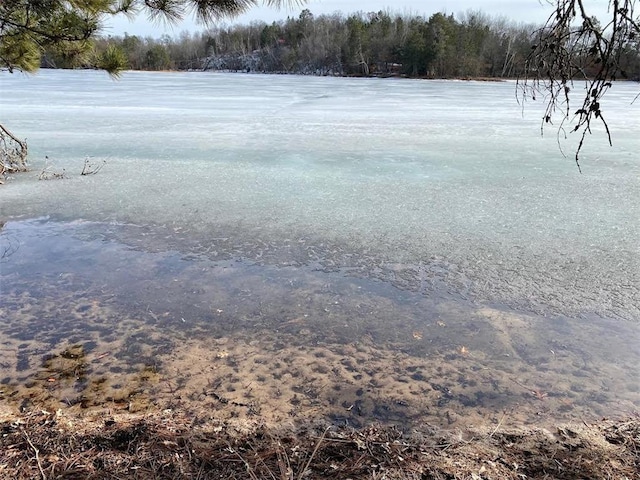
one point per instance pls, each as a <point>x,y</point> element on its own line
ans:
<point>527,11</point>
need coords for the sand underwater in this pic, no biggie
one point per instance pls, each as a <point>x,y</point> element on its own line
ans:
<point>113,322</point>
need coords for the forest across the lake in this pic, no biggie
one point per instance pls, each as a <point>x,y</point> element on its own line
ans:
<point>470,45</point>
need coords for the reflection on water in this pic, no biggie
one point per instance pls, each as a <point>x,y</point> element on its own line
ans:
<point>119,316</point>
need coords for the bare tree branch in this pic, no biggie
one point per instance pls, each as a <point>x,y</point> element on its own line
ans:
<point>573,46</point>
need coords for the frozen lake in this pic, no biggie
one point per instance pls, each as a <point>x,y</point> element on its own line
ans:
<point>297,202</point>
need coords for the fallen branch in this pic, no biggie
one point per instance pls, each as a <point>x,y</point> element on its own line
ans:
<point>504,414</point>
<point>37,452</point>
<point>313,454</point>
<point>13,153</point>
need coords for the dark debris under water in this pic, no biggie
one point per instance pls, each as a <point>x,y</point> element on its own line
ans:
<point>97,315</point>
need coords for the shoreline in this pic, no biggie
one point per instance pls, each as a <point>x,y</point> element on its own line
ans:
<point>382,76</point>
<point>464,78</point>
<point>167,444</point>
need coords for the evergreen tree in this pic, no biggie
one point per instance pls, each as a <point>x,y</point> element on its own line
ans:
<point>68,27</point>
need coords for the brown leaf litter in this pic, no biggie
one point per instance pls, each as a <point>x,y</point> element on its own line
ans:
<point>168,445</point>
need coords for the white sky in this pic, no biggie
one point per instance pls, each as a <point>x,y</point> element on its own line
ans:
<point>526,11</point>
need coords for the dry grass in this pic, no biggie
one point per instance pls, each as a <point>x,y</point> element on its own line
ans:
<point>169,446</point>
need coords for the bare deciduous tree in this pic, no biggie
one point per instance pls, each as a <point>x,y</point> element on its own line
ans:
<point>574,46</point>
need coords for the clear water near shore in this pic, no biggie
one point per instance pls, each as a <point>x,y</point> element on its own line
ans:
<point>281,247</point>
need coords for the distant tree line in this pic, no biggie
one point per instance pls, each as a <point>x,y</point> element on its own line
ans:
<point>362,44</point>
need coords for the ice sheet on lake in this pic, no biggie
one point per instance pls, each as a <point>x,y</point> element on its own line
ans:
<point>410,172</point>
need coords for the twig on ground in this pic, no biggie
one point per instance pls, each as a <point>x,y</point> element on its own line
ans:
<point>315,450</point>
<point>246,464</point>
<point>504,414</point>
<point>37,453</point>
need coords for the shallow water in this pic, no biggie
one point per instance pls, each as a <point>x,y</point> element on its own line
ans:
<point>93,321</point>
<point>282,247</point>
